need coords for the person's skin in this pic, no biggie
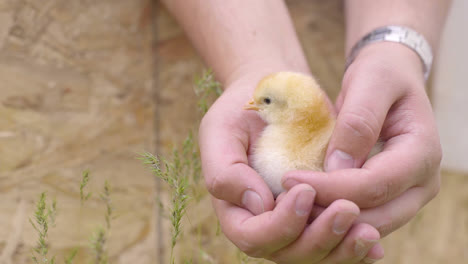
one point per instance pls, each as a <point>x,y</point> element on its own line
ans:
<point>245,40</point>
<point>383,95</point>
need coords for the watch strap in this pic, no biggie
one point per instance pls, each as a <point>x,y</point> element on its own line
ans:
<point>398,34</point>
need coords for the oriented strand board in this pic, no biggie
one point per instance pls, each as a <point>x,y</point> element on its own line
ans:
<point>76,93</point>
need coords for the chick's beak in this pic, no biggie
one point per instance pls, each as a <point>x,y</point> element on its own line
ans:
<point>251,106</point>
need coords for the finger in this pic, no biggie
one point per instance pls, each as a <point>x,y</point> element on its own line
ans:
<point>317,210</point>
<point>280,197</point>
<point>321,236</point>
<point>225,168</point>
<point>355,246</point>
<point>401,165</point>
<point>265,233</point>
<point>398,212</point>
<point>362,114</point>
<point>376,253</point>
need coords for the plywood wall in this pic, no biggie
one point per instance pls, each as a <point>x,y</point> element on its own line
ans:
<point>76,93</point>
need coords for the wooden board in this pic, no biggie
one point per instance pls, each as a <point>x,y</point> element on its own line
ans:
<point>76,93</point>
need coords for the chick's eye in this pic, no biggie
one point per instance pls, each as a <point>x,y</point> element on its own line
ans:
<point>267,100</point>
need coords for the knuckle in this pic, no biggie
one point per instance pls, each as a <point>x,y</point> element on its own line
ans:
<point>216,184</point>
<point>289,233</point>
<point>321,250</point>
<point>391,222</point>
<point>385,228</point>
<point>432,161</point>
<point>248,243</point>
<point>362,123</point>
<point>346,205</point>
<point>250,250</point>
<point>247,249</point>
<point>378,194</point>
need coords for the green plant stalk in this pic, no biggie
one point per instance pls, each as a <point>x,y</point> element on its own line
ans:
<point>206,86</point>
<point>98,244</point>
<point>105,196</point>
<point>71,256</point>
<point>100,237</point>
<point>44,217</point>
<point>175,177</point>
<point>84,182</point>
<point>184,168</point>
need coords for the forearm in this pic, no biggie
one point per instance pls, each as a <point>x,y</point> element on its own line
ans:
<point>425,16</point>
<point>238,37</point>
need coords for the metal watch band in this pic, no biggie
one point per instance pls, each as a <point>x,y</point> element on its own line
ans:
<point>398,34</point>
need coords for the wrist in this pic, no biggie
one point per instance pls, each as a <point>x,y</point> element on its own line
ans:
<point>393,57</point>
<point>397,34</point>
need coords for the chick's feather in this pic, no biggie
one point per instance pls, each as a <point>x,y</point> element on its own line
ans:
<point>299,126</point>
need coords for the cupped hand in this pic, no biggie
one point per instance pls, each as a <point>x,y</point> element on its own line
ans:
<point>246,208</point>
<point>226,135</point>
<point>383,96</point>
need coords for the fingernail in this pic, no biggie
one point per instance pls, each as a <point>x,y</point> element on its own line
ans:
<point>305,201</point>
<point>362,246</point>
<point>253,202</point>
<point>343,222</point>
<point>289,183</point>
<point>339,160</point>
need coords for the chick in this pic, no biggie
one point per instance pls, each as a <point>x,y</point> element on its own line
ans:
<point>299,126</point>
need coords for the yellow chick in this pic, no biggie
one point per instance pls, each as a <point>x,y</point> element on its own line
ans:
<point>299,126</point>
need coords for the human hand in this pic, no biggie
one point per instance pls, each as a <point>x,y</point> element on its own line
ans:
<point>382,95</point>
<point>245,205</point>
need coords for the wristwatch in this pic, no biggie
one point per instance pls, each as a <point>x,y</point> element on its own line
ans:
<point>398,34</point>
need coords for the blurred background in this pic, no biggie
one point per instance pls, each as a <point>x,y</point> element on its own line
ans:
<point>89,84</point>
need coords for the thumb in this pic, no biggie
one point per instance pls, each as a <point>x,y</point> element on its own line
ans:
<point>366,101</point>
